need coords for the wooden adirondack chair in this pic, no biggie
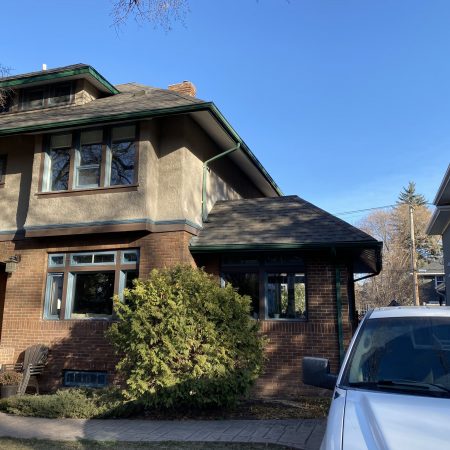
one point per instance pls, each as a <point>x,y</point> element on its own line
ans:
<point>34,361</point>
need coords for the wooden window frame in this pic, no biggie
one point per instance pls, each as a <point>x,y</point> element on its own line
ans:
<point>48,94</point>
<point>263,268</point>
<point>68,270</point>
<point>106,155</point>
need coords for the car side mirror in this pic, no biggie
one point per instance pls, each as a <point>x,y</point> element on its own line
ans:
<point>316,372</point>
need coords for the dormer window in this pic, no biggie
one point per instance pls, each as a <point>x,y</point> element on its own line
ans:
<point>61,94</point>
<point>33,98</point>
<point>47,96</point>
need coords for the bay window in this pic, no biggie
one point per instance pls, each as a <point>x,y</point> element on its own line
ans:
<point>82,285</point>
<point>90,159</point>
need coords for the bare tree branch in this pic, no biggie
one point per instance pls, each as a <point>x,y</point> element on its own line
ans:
<point>162,13</point>
<point>394,281</point>
<point>4,93</point>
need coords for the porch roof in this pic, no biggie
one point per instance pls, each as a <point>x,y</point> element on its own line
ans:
<point>284,224</point>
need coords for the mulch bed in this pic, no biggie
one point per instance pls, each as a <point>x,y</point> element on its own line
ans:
<point>301,408</point>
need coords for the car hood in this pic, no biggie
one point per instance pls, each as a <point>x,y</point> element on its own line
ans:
<point>392,421</point>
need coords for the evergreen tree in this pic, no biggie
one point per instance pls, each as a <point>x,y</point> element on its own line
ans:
<point>409,196</point>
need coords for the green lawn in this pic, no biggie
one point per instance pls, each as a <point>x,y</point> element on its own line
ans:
<point>37,444</point>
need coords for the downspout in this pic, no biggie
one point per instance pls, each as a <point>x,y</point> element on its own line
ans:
<point>205,174</point>
<point>339,314</point>
<point>338,307</point>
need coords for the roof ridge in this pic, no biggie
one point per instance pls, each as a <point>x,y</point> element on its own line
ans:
<point>316,210</point>
<point>335,218</point>
<point>184,97</point>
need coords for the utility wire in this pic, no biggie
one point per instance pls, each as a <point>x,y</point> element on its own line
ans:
<point>363,210</point>
<point>344,213</point>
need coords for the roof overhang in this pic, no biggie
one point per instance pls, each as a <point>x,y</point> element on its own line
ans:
<point>440,220</point>
<point>222,133</point>
<point>206,114</point>
<point>365,257</point>
<point>443,193</point>
<point>40,78</point>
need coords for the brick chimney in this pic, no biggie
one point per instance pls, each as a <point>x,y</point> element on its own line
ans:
<point>185,88</point>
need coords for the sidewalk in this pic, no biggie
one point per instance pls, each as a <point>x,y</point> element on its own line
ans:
<point>301,434</point>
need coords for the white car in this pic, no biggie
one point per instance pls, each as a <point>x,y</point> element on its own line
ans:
<point>393,389</point>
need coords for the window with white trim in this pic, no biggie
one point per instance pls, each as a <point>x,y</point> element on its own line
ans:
<point>81,285</point>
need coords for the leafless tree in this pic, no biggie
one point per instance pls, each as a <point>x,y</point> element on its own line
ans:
<point>4,71</point>
<point>394,281</point>
<point>162,13</point>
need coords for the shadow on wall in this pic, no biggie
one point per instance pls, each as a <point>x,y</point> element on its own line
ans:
<point>84,347</point>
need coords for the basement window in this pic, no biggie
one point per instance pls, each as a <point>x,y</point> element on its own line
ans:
<point>84,378</point>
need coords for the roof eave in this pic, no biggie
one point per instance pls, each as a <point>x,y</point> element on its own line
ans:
<point>87,71</point>
<point>445,184</point>
<point>205,106</point>
<point>439,222</point>
<point>282,246</point>
<point>235,136</point>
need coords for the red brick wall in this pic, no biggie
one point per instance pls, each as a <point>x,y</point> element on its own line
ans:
<point>80,345</point>
<point>289,342</point>
<point>75,344</point>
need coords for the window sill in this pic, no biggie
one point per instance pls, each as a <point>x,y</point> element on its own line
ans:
<point>81,319</point>
<point>89,191</point>
<point>271,319</point>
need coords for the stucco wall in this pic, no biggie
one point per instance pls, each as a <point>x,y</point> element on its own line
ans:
<point>15,192</point>
<point>170,172</point>
<point>100,205</point>
<point>85,92</point>
<point>183,146</point>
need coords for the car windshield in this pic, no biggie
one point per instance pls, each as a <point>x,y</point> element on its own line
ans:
<point>405,354</point>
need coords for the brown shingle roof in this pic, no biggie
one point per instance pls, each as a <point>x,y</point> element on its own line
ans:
<point>287,221</point>
<point>134,99</point>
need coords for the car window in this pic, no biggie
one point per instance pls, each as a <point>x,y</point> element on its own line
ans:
<point>411,353</point>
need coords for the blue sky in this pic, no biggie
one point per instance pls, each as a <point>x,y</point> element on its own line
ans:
<point>343,102</point>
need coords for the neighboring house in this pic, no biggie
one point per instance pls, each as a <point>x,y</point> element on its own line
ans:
<point>431,283</point>
<point>101,183</point>
<point>440,225</point>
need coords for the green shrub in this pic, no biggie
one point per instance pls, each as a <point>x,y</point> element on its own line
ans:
<point>185,341</point>
<point>70,403</point>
